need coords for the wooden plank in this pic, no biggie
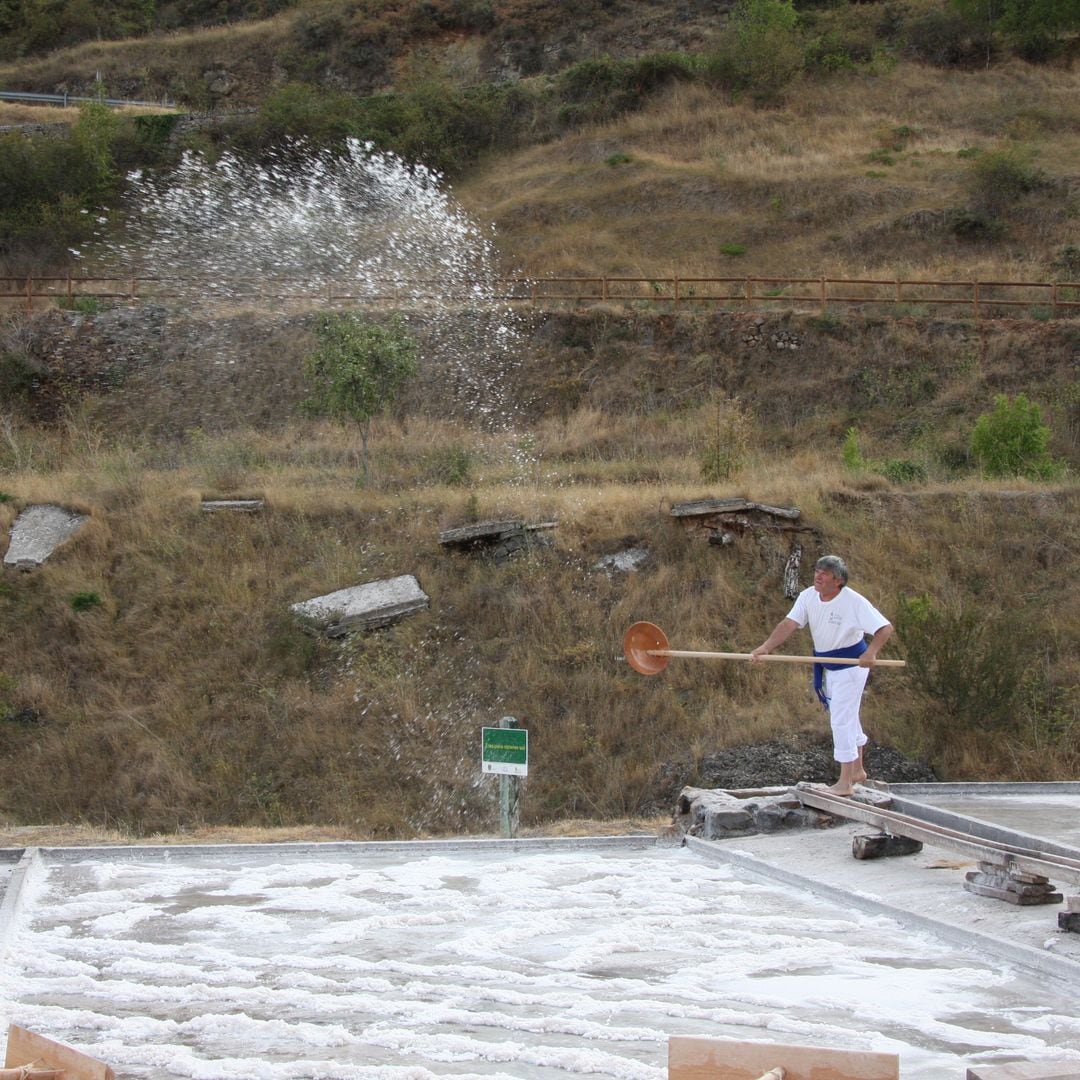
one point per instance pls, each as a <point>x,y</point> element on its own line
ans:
<point>691,1058</point>
<point>983,851</point>
<point>1025,1070</point>
<point>28,1048</point>
<point>1012,897</point>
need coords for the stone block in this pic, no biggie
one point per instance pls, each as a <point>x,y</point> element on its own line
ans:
<point>38,531</point>
<point>364,607</point>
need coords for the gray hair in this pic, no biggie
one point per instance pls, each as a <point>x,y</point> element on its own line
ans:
<point>835,566</point>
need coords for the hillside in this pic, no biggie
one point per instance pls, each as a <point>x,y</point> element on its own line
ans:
<point>153,676</point>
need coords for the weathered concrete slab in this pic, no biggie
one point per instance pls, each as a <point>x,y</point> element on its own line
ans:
<point>364,607</point>
<point>707,507</point>
<point>239,506</point>
<point>38,531</point>
<point>496,540</point>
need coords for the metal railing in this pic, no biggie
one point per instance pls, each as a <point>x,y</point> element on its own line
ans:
<point>70,99</point>
<point>981,299</point>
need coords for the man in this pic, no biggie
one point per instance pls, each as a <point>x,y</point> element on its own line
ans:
<point>839,620</point>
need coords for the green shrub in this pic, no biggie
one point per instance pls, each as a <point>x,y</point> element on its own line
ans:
<point>449,465</point>
<point>966,659</point>
<point>618,159</point>
<point>729,446</point>
<point>1012,440</point>
<point>760,51</point>
<point>975,225</point>
<point>850,454</point>
<point>947,38</point>
<point>50,186</point>
<point>1067,262</point>
<point>998,178</point>
<point>903,471</point>
<point>85,601</point>
<point>733,249</point>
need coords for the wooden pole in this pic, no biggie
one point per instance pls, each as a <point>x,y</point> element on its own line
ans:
<point>509,793</point>
<point>773,657</point>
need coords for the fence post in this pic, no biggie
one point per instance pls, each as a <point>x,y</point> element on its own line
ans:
<point>677,290</point>
<point>823,294</point>
<point>603,289</point>
<point>975,297</point>
<point>1053,299</point>
<point>29,294</point>
<point>750,292</point>
<point>899,293</point>
<point>69,294</point>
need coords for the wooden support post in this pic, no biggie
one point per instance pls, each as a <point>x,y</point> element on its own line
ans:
<point>791,572</point>
<point>881,846</point>
<point>509,793</point>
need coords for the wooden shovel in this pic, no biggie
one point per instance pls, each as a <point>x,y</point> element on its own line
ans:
<point>646,649</point>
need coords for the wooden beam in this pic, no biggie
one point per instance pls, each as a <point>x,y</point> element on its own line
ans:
<point>26,1048</point>
<point>691,1058</point>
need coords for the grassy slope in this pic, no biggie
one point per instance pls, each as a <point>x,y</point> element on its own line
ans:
<point>189,697</point>
<point>796,185</point>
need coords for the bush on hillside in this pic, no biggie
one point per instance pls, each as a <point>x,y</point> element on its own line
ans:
<point>998,178</point>
<point>760,51</point>
<point>50,187</point>
<point>34,28</point>
<point>598,90</point>
<point>967,660</point>
<point>947,38</point>
<point>444,127</point>
<point>1012,440</point>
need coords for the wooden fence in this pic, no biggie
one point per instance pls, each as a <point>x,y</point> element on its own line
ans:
<point>979,299</point>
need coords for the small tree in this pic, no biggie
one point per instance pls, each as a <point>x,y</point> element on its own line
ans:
<point>760,50</point>
<point>1012,440</point>
<point>358,369</point>
<point>967,660</point>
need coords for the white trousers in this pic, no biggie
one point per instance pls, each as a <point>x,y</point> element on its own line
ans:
<point>844,688</point>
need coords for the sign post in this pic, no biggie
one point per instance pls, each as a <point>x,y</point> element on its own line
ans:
<point>505,751</point>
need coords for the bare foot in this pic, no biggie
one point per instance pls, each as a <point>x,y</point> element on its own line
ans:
<point>836,789</point>
<point>858,777</point>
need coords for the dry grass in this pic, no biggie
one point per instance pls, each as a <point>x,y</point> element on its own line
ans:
<point>797,185</point>
<point>189,699</point>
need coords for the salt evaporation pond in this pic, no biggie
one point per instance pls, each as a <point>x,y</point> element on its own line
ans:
<point>408,963</point>
<point>1053,817</point>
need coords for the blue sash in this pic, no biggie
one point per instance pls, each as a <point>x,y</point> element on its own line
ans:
<point>819,669</point>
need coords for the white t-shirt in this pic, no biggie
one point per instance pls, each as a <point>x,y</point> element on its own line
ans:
<point>838,623</point>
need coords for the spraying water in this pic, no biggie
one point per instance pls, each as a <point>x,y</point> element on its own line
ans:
<point>346,227</point>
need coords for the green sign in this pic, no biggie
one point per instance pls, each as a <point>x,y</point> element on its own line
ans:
<point>505,750</point>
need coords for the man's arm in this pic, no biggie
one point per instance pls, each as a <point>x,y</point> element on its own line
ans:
<point>881,635</point>
<point>783,630</point>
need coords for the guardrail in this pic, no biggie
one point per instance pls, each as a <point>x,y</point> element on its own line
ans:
<point>69,99</point>
<point>984,299</point>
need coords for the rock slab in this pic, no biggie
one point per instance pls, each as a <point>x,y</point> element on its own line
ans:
<point>364,607</point>
<point>38,531</point>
